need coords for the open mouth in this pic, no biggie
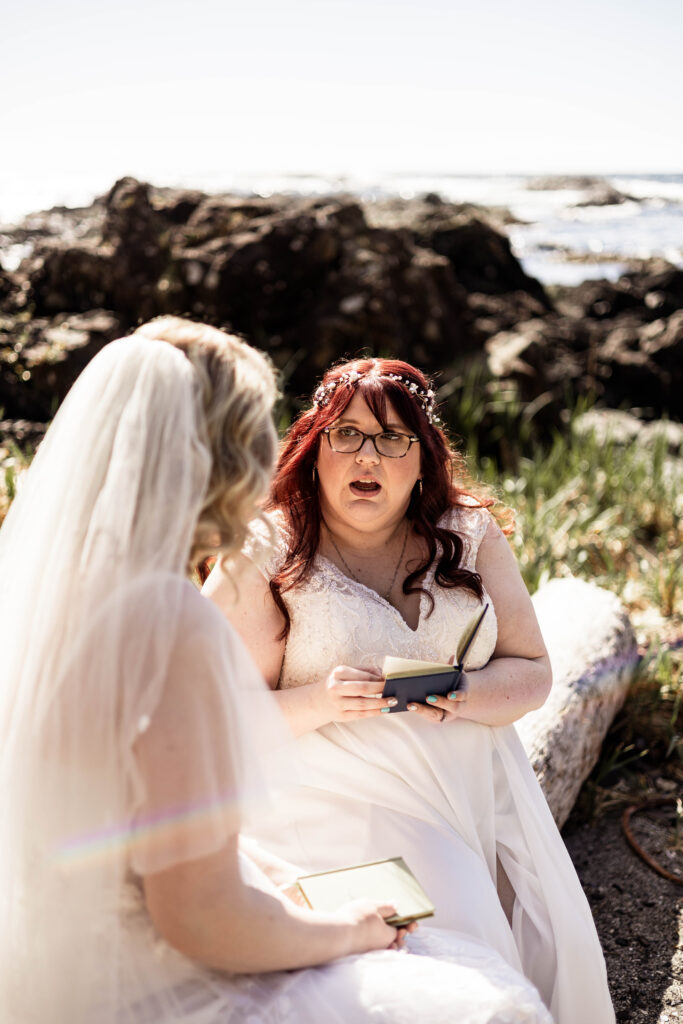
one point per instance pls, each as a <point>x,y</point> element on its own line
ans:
<point>365,487</point>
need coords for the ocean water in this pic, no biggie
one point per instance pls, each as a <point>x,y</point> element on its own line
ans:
<point>556,240</point>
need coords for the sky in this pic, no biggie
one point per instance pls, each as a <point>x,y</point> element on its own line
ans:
<point>176,91</point>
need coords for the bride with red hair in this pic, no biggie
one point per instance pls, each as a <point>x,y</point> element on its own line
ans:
<point>379,547</point>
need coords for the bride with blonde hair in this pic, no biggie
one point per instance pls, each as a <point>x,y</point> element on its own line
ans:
<point>128,753</point>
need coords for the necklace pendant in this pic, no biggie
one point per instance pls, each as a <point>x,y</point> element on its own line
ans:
<point>386,594</point>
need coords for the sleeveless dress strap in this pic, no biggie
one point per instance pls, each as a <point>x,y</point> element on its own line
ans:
<point>267,543</point>
<point>471,524</point>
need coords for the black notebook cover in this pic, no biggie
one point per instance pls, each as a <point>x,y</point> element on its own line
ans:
<point>415,688</point>
<point>408,689</point>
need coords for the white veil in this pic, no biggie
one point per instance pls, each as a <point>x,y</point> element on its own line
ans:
<point>98,625</point>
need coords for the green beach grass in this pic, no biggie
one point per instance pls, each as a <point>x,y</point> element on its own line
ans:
<point>607,512</point>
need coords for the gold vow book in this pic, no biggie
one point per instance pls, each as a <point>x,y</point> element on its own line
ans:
<point>386,881</point>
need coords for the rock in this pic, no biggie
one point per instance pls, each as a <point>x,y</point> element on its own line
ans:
<point>121,267</point>
<point>176,205</point>
<point>388,296</point>
<point>314,280</point>
<point>70,278</point>
<point>39,365</point>
<point>566,182</point>
<point>307,279</point>
<point>478,252</point>
<point>644,364</point>
<point>140,242</point>
<point>653,292</point>
<point>604,194</point>
<point>596,191</point>
<point>618,360</point>
<point>563,182</point>
<point>543,357</point>
<point>635,331</point>
<point>221,216</point>
<point>594,656</point>
<point>495,313</point>
<point>599,300</point>
<point>482,259</point>
<point>70,224</point>
<point>259,273</point>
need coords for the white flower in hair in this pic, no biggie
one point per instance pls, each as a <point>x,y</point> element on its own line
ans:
<point>324,392</point>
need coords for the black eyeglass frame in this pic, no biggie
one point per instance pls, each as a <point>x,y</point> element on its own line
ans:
<point>412,439</point>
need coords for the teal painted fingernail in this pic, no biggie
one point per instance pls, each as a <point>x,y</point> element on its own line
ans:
<point>432,700</point>
<point>453,695</point>
<point>385,711</point>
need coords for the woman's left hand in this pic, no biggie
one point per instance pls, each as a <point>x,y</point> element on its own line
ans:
<point>443,709</point>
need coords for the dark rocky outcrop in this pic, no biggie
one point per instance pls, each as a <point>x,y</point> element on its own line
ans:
<point>597,191</point>
<point>312,280</point>
<point>69,278</point>
<point>604,194</point>
<point>478,251</point>
<point>629,359</point>
<point>308,280</point>
<point>558,182</point>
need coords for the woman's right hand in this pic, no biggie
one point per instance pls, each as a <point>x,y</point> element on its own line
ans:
<point>369,929</point>
<point>350,693</point>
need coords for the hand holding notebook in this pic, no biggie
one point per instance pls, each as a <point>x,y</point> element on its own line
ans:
<point>411,681</point>
<point>385,881</point>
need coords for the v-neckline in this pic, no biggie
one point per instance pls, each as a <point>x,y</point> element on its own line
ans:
<point>378,597</point>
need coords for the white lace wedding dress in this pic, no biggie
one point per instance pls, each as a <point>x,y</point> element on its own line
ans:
<point>452,800</point>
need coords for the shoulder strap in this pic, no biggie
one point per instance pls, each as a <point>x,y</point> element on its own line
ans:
<point>266,544</point>
<point>471,524</point>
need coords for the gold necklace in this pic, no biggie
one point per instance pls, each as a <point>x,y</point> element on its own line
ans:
<point>352,574</point>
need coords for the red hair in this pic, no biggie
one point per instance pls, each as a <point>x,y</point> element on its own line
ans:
<point>294,491</point>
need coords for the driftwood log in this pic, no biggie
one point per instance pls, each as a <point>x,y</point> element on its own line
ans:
<point>593,654</point>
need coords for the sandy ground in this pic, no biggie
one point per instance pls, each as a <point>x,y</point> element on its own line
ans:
<point>639,917</point>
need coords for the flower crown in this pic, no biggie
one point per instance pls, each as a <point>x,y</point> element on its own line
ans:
<point>426,398</point>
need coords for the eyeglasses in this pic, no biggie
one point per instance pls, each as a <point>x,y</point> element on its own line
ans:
<point>346,440</point>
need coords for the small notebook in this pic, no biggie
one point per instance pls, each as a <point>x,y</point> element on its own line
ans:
<point>387,881</point>
<point>411,681</point>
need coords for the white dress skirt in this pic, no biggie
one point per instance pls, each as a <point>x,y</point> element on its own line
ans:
<point>443,978</point>
<point>454,801</point>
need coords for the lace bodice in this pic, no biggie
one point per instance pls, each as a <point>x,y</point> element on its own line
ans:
<point>336,620</point>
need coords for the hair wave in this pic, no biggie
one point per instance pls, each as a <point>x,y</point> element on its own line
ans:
<point>236,391</point>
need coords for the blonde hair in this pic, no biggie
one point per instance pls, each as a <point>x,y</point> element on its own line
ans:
<point>236,394</point>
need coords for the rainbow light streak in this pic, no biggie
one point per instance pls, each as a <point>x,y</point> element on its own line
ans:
<point>178,825</point>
